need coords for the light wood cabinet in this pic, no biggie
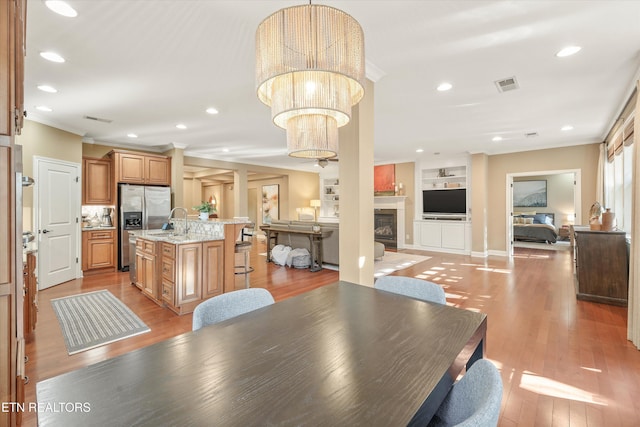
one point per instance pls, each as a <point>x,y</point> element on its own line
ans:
<point>157,170</point>
<point>98,253</point>
<point>30,284</point>
<point>148,268</point>
<point>97,182</point>
<point>191,273</point>
<point>139,168</point>
<point>12,49</point>
<point>212,269</point>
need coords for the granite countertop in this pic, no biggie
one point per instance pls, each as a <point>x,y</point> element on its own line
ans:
<point>90,228</point>
<point>218,220</point>
<point>170,236</point>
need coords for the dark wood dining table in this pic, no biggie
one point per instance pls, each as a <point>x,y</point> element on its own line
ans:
<point>343,354</point>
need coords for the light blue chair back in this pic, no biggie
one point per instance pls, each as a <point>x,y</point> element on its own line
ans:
<point>412,287</point>
<point>474,401</point>
<point>231,304</point>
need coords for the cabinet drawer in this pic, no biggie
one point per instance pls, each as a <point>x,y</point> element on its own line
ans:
<point>103,234</point>
<point>169,250</point>
<point>167,292</point>
<point>146,246</point>
<point>168,269</point>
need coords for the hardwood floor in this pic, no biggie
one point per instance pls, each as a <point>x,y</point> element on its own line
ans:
<point>563,362</point>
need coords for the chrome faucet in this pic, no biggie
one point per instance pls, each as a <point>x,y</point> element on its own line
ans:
<point>186,227</point>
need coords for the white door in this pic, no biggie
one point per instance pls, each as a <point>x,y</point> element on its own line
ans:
<point>57,194</point>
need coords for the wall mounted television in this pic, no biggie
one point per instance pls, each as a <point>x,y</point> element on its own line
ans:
<point>445,201</point>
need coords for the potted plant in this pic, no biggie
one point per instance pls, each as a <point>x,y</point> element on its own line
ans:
<point>205,208</point>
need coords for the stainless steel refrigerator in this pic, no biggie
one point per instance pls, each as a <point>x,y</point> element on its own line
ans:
<point>140,207</point>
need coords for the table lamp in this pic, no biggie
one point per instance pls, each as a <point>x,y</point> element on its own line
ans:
<point>315,204</point>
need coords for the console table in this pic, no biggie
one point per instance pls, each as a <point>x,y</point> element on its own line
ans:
<point>315,242</point>
<point>602,266</point>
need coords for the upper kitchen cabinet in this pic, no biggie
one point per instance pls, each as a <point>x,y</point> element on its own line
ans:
<point>97,182</point>
<point>139,168</point>
<point>12,47</point>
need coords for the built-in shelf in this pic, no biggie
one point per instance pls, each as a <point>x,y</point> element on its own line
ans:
<point>441,178</point>
<point>330,198</point>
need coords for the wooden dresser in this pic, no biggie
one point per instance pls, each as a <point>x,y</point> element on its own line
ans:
<point>602,266</point>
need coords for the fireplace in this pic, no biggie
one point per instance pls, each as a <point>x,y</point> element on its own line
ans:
<point>385,225</point>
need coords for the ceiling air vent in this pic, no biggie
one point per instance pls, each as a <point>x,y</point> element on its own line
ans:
<point>531,134</point>
<point>97,119</point>
<point>505,85</point>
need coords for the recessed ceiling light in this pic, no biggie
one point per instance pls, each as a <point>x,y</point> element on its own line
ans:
<point>566,127</point>
<point>444,86</point>
<point>52,56</point>
<point>61,8</point>
<point>132,135</point>
<point>44,108</point>
<point>419,150</point>
<point>568,51</point>
<point>212,110</point>
<point>496,138</point>
<point>181,126</point>
<point>47,88</point>
<point>225,150</point>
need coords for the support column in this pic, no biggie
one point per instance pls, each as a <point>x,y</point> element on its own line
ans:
<point>240,193</point>
<point>177,175</point>
<point>479,202</point>
<point>356,193</point>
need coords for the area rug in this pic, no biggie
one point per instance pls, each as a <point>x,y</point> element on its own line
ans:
<point>94,319</point>
<point>394,261</point>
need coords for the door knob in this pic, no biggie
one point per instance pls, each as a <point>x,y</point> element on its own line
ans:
<point>45,231</point>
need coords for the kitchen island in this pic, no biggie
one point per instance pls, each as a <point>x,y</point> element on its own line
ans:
<point>179,270</point>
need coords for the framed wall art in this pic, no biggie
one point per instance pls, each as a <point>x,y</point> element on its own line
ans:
<point>270,202</point>
<point>384,180</point>
<point>530,194</point>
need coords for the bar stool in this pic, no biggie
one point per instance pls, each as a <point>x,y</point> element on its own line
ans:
<point>244,247</point>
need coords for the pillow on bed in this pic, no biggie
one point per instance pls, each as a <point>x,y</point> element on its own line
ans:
<point>542,219</point>
<point>518,220</point>
<point>539,219</point>
<point>528,220</point>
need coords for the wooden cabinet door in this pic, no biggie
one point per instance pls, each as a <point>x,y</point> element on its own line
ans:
<point>158,170</point>
<point>212,268</point>
<point>97,182</point>
<point>148,275</point>
<point>21,51</point>
<point>100,253</point>
<point>131,168</point>
<point>139,280</point>
<point>189,273</point>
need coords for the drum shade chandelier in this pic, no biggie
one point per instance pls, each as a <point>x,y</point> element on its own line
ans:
<point>310,70</point>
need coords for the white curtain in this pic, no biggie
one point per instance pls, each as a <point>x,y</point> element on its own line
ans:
<point>600,175</point>
<point>633,328</point>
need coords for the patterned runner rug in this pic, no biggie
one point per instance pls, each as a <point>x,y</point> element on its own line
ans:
<point>94,319</point>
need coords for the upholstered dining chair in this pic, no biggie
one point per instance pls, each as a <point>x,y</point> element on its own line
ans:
<point>412,287</point>
<point>473,401</point>
<point>231,304</point>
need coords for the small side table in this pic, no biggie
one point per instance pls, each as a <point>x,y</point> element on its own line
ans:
<point>563,232</point>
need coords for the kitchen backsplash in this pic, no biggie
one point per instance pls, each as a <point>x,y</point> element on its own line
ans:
<point>91,211</point>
